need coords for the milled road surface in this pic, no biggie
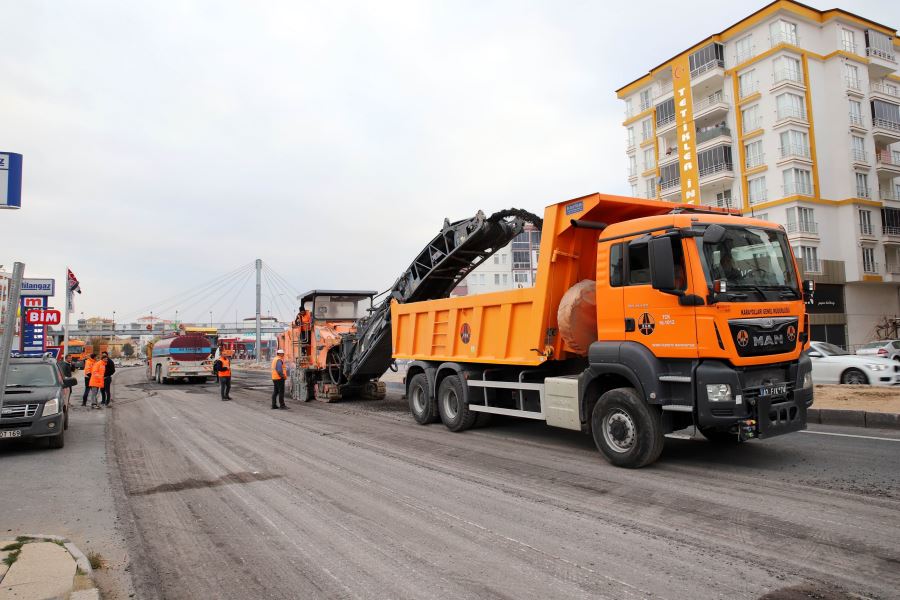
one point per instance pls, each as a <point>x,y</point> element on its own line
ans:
<point>354,500</point>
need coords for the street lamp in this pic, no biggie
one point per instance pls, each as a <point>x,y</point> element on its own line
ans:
<point>210,318</point>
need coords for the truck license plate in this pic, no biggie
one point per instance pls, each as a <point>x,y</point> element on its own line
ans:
<point>11,434</point>
<point>773,390</point>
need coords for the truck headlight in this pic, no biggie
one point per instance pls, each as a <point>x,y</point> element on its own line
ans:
<point>718,392</point>
<point>807,380</point>
<point>877,366</point>
<point>51,407</point>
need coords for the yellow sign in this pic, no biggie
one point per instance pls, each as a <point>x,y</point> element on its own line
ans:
<point>686,131</point>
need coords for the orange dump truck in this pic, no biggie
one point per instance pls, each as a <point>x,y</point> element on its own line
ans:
<point>647,319</point>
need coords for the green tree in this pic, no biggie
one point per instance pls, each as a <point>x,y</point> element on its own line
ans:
<point>127,350</point>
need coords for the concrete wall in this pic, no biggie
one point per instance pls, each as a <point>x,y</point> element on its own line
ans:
<point>866,304</point>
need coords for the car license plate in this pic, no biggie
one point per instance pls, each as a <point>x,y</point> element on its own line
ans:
<point>11,433</point>
<point>773,390</point>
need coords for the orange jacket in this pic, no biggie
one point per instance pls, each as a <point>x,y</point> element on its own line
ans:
<point>88,363</point>
<point>226,367</point>
<point>275,375</point>
<point>98,370</point>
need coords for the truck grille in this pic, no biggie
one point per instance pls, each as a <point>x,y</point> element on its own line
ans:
<point>18,411</point>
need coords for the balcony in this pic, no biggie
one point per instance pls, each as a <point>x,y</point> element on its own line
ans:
<point>665,123</point>
<point>663,89</point>
<point>783,38</point>
<point>710,105</point>
<point>710,65</point>
<point>754,160</point>
<point>667,156</point>
<point>801,229</point>
<point>670,187</point>
<point>866,229</point>
<point>886,163</point>
<point>857,121</point>
<point>794,151</point>
<point>884,131</point>
<point>892,92</point>
<point>798,188</point>
<point>893,268</point>
<point>890,196</point>
<point>891,235</point>
<point>717,172</point>
<point>878,53</point>
<point>712,133</point>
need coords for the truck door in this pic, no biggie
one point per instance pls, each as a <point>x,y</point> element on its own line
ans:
<point>652,317</point>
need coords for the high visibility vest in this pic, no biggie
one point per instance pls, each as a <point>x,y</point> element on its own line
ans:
<point>226,367</point>
<point>275,375</point>
<point>88,363</point>
<point>98,370</point>
<point>305,319</point>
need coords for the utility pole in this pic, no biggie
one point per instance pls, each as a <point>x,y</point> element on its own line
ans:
<point>258,308</point>
<point>65,347</point>
<point>9,325</point>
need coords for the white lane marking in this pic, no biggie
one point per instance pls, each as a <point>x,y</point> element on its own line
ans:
<point>865,437</point>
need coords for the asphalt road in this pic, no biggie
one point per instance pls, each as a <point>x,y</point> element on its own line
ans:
<point>354,500</point>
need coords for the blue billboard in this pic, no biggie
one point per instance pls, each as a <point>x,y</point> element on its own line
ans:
<point>10,180</point>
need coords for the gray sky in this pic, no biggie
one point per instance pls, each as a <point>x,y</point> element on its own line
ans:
<point>166,143</point>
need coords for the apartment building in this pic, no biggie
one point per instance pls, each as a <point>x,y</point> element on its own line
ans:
<point>793,115</point>
<point>513,266</point>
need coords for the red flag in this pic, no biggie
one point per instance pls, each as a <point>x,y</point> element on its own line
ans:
<point>74,286</point>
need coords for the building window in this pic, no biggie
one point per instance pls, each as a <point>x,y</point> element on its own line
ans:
<point>801,219</point>
<point>634,190</point>
<point>783,32</point>
<point>629,108</point>
<point>665,113</point>
<point>650,189</point>
<point>756,189</point>
<point>848,41</point>
<point>869,264</point>
<point>521,280</point>
<point>723,199</point>
<point>714,160</point>
<point>865,222</point>
<point>503,259</point>
<point>750,118</point>
<point>858,148</point>
<point>753,154</point>
<point>851,76</point>
<point>496,259</point>
<point>890,221</point>
<point>649,161</point>
<point>809,256</point>
<point>496,278</point>
<point>506,279</point>
<point>630,137</point>
<point>886,115</point>
<point>880,45</point>
<point>645,99</point>
<point>744,49</point>
<point>747,83</point>
<point>709,57</point>
<point>787,68</point>
<point>646,130</point>
<point>790,106</point>
<point>862,185</point>
<point>669,176</point>
<point>797,182</point>
<point>761,216</point>
<point>856,117</point>
<point>632,166</point>
<point>794,143</point>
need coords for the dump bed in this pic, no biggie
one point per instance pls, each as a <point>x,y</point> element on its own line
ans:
<point>518,326</point>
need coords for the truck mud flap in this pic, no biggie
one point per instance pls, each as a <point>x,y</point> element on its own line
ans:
<point>777,416</point>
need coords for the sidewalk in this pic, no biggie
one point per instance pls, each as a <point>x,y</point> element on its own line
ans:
<point>37,567</point>
<point>856,406</point>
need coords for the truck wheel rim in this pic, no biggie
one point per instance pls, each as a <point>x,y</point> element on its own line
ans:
<point>619,431</point>
<point>419,399</point>
<point>451,404</point>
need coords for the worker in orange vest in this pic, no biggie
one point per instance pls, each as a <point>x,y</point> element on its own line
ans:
<point>98,374</point>
<point>88,363</point>
<point>279,376</point>
<point>222,367</point>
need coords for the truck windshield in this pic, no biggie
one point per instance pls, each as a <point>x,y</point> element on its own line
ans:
<point>751,259</point>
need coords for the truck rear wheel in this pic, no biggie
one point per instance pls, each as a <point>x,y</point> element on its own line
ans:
<point>421,402</point>
<point>626,430</point>
<point>452,404</point>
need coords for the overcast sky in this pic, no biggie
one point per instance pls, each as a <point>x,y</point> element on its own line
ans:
<point>167,143</point>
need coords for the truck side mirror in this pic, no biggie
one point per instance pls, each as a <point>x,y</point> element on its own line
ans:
<point>714,234</point>
<point>809,290</point>
<point>662,264</point>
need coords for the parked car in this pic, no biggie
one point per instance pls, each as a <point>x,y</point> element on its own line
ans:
<point>884,349</point>
<point>36,401</point>
<point>831,364</point>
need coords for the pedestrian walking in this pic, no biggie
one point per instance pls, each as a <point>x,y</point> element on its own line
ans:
<point>98,370</point>
<point>88,365</point>
<point>109,370</point>
<point>222,369</point>
<point>279,376</point>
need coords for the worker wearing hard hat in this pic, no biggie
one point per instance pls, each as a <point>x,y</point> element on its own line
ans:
<point>279,376</point>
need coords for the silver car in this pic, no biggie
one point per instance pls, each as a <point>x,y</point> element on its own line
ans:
<point>884,349</point>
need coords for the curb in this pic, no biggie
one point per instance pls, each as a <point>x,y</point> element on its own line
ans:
<point>853,418</point>
<point>81,560</point>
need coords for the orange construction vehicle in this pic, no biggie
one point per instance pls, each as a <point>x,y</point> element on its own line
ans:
<point>647,319</point>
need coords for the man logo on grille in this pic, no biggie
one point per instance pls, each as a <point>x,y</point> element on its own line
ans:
<point>743,338</point>
<point>646,325</point>
<point>791,333</point>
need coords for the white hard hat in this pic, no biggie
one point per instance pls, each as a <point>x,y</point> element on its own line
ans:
<point>280,351</point>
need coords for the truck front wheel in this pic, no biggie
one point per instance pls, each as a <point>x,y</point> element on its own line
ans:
<point>626,430</point>
<point>421,402</point>
<point>452,404</point>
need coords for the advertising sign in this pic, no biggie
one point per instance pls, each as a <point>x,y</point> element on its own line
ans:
<point>40,316</point>
<point>33,335</point>
<point>10,180</point>
<point>38,287</point>
<point>829,298</point>
<point>685,128</point>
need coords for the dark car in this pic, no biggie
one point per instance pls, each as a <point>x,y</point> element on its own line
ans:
<point>36,401</point>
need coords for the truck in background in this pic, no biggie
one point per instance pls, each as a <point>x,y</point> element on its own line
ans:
<point>694,318</point>
<point>186,357</point>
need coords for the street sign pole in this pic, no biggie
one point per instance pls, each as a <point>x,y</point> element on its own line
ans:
<point>9,326</point>
<point>258,309</point>
<point>65,348</point>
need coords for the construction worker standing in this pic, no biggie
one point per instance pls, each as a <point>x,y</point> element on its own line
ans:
<point>88,365</point>
<point>98,371</point>
<point>222,368</point>
<point>279,376</point>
